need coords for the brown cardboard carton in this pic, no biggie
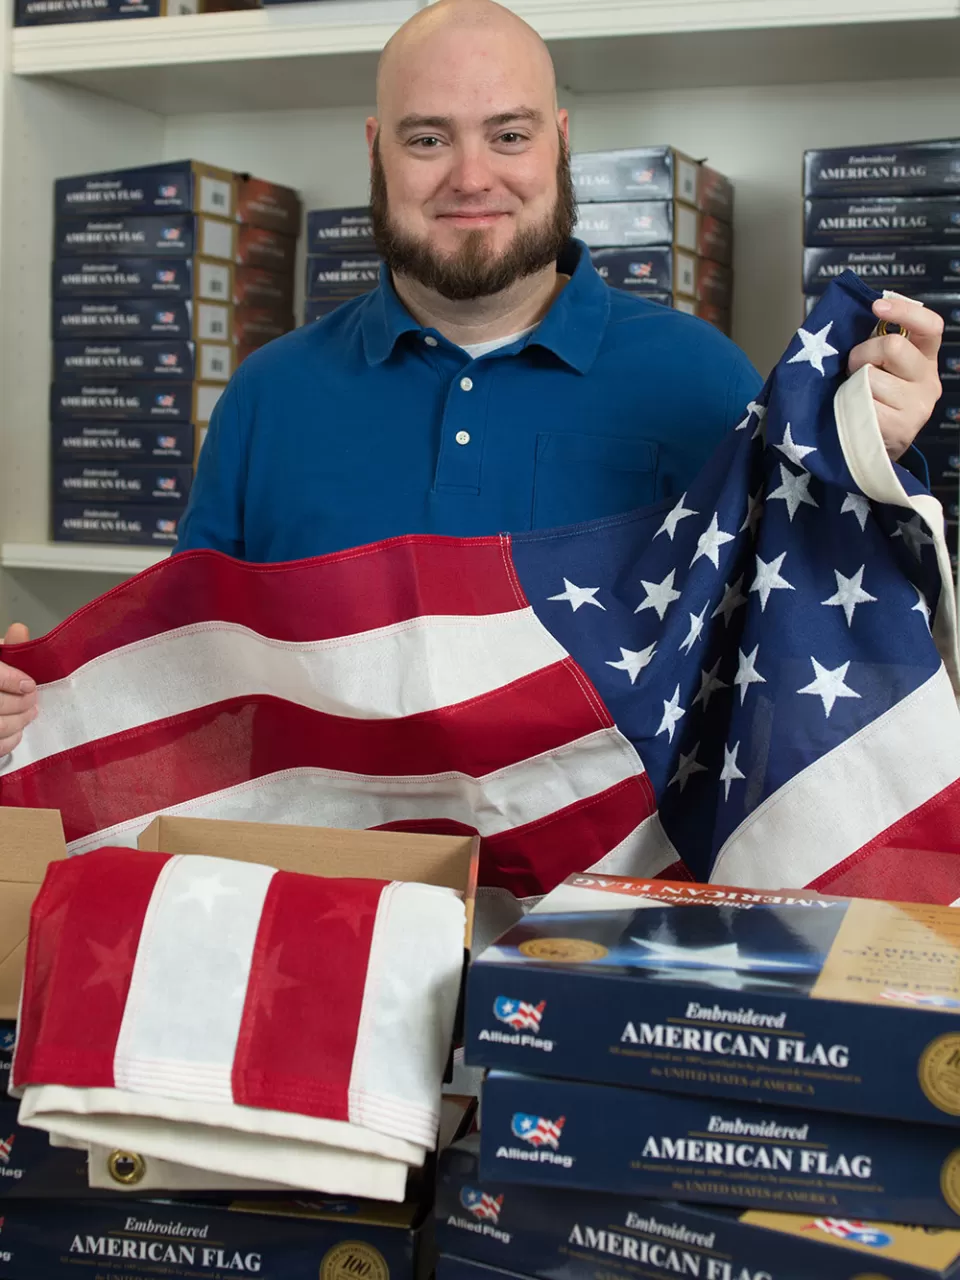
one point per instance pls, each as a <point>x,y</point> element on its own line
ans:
<point>30,839</point>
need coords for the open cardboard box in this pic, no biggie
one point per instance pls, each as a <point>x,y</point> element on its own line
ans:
<point>30,839</point>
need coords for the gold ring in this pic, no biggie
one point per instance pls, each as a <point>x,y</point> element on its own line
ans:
<point>126,1167</point>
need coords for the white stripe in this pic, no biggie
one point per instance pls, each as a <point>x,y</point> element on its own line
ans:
<point>409,1005</point>
<point>402,670</point>
<point>644,853</point>
<point>498,801</point>
<point>182,1017</point>
<point>847,797</point>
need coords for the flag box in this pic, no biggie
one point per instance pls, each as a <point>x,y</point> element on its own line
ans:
<point>831,1003</point>
<point>133,525</point>
<point>886,169</point>
<point>263,289</point>
<point>657,270</point>
<point>179,361</point>
<point>30,13</point>
<point>134,401</point>
<point>267,204</point>
<point>655,222</point>
<point>650,173</point>
<point>253,326</point>
<point>152,278</point>
<point>317,308</point>
<point>946,306</point>
<point>136,442</point>
<point>565,1133</point>
<point>714,284</point>
<point>945,419</point>
<point>172,235</point>
<point>341,276</point>
<point>948,365</point>
<point>949,498</point>
<point>181,186</point>
<point>905,269</point>
<point>573,1235</point>
<point>340,230</point>
<point>122,481</point>
<point>942,455</point>
<point>260,247</point>
<point>143,318</point>
<point>882,220</point>
<point>718,316</point>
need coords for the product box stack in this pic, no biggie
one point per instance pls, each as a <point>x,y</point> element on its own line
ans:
<point>33,13</point>
<point>891,213</point>
<point>164,279</point>
<point>694,1080</point>
<point>661,225</point>
<point>342,260</point>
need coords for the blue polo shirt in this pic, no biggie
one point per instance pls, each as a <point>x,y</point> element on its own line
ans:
<point>365,425</point>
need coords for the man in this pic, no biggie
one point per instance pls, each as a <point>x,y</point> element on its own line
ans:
<point>492,382</point>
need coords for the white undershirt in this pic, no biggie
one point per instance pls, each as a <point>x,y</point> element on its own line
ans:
<point>477,349</point>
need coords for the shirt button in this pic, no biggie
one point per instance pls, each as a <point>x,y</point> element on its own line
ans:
<point>466,384</point>
<point>430,340</point>
<point>462,437</point>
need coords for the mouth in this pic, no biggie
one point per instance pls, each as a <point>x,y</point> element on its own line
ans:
<point>471,221</point>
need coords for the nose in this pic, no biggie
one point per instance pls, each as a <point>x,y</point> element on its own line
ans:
<point>471,173</point>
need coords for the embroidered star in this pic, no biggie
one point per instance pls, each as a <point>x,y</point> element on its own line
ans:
<point>660,595</point>
<point>673,518</point>
<point>829,685</point>
<point>850,593</point>
<point>710,542</point>
<point>815,349</point>
<point>672,712</point>
<point>730,773</point>
<point>687,767</point>
<point>709,684</point>
<point>695,632</point>
<point>793,490</point>
<point>795,452</point>
<point>732,600</point>
<point>634,662</point>
<point>114,964</point>
<point>747,673</point>
<point>754,409</point>
<point>767,578</point>
<point>269,982</point>
<point>577,596</point>
<point>859,505</point>
<point>754,513</point>
<point>914,534</point>
<point>921,606</point>
<point>206,890</point>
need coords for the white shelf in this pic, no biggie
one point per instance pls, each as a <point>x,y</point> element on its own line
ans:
<point>80,557</point>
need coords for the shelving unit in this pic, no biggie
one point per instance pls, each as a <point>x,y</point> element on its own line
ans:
<point>78,557</point>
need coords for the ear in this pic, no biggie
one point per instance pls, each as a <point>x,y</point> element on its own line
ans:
<point>371,128</point>
<point>563,124</point>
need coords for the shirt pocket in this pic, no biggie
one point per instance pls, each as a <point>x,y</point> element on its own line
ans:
<point>583,477</point>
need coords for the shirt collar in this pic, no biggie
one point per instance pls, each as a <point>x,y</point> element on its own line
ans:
<point>572,329</point>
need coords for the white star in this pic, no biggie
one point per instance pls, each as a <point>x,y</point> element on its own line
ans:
<point>576,596</point>
<point>660,595</point>
<point>850,593</point>
<point>829,685</point>
<point>730,773</point>
<point>795,452</point>
<point>767,578</point>
<point>914,534</point>
<point>815,350</point>
<point>688,765</point>
<point>921,606</point>
<point>753,408</point>
<point>732,600</point>
<point>673,518</point>
<point>747,673</point>
<point>634,662</point>
<point>696,630</point>
<point>754,512</point>
<point>793,490</point>
<point>206,890</point>
<point>859,505</point>
<point>672,712</point>
<point>709,684</point>
<point>710,542</point>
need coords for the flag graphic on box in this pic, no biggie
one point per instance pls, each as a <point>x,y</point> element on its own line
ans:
<point>537,1130</point>
<point>753,683</point>
<point>481,1204</point>
<point>518,1014</point>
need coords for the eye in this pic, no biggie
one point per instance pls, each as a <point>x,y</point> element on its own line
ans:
<point>511,137</point>
<point>427,143</point>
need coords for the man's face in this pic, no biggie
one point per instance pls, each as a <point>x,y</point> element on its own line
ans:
<point>470,183</point>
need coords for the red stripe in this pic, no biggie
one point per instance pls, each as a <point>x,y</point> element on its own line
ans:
<point>915,860</point>
<point>308,972</point>
<point>84,932</point>
<point>340,594</point>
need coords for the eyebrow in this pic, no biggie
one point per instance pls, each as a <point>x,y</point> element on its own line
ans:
<point>529,114</point>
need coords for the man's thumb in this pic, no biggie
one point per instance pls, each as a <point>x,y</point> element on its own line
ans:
<point>17,633</point>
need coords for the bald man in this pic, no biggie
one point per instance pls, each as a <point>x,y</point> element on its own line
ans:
<point>492,382</point>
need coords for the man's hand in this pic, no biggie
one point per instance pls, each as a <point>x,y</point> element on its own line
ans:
<point>904,380</point>
<point>18,696</point>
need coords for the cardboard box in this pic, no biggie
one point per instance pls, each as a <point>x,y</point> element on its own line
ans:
<point>179,361</point>
<point>882,220</point>
<point>134,401</point>
<point>105,482</point>
<point>340,230</point>
<point>885,169</point>
<point>941,452</point>
<point>906,269</point>
<point>155,278</point>
<point>131,525</point>
<point>562,1133</point>
<point>948,365</point>
<point>340,276</point>
<point>180,186</point>
<point>137,442</point>
<point>945,418</point>
<point>639,173</point>
<point>266,204</point>
<point>172,235</point>
<point>655,222</point>
<point>30,13</point>
<point>266,290</point>
<point>574,1235</point>
<point>657,270</point>
<point>317,308</point>
<point>259,247</point>
<point>143,318</point>
<point>714,193</point>
<point>714,284</point>
<point>254,326</point>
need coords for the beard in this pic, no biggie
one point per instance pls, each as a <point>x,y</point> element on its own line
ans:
<point>474,270</point>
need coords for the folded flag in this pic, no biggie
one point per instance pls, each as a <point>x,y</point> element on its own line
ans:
<point>738,685</point>
<point>241,1020</point>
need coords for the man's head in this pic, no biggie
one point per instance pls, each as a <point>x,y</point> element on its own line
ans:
<point>470,178</point>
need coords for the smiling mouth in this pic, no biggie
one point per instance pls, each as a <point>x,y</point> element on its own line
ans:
<point>472,219</point>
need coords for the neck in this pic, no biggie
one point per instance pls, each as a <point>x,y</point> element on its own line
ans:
<point>520,306</point>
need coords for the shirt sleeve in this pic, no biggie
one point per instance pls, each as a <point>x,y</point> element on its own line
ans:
<point>214,514</point>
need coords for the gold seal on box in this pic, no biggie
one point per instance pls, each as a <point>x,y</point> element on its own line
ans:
<point>939,1073</point>
<point>869,1275</point>
<point>354,1260</point>
<point>950,1180</point>
<point>573,949</point>
<point>126,1167</point>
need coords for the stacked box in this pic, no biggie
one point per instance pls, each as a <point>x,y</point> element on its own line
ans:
<point>31,13</point>
<point>165,278</point>
<point>659,224</point>
<point>342,259</point>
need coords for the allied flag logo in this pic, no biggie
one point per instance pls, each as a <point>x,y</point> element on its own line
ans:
<point>6,1149</point>
<point>165,402</point>
<point>168,359</point>
<point>641,269</point>
<point>167,483</point>
<point>853,1230</point>
<point>537,1130</point>
<point>481,1204</point>
<point>171,233</point>
<point>518,1014</point>
<point>166,526</point>
<point>168,193</point>
<point>166,277</point>
<point>165,317</point>
<point>166,442</point>
<point>921,999</point>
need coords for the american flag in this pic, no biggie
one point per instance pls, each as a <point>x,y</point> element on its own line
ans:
<point>737,685</point>
<point>166,277</point>
<point>166,442</point>
<point>922,999</point>
<point>167,483</point>
<point>165,401</point>
<point>6,1148</point>
<point>166,526</point>
<point>481,1204</point>
<point>168,359</point>
<point>165,317</point>
<point>518,1014</point>
<point>167,193</point>
<point>537,1130</point>
<point>171,233</point>
<point>865,1233</point>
